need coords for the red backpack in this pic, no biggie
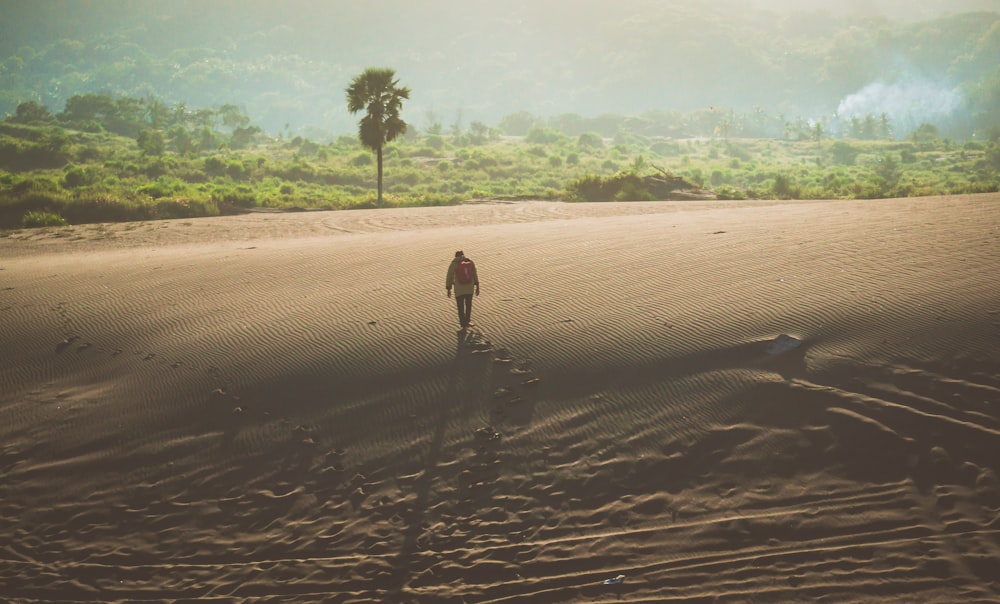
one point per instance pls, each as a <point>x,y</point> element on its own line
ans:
<point>464,273</point>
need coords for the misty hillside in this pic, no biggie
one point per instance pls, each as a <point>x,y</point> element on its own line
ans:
<point>287,63</point>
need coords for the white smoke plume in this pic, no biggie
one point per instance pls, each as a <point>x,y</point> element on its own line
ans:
<point>908,103</point>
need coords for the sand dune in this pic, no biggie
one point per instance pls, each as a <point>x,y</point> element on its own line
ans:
<point>722,401</point>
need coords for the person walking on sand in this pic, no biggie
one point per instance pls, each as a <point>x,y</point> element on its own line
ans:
<point>463,277</point>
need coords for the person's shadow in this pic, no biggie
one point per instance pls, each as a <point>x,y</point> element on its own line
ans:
<point>468,380</point>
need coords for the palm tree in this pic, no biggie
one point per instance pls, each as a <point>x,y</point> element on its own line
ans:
<point>378,93</point>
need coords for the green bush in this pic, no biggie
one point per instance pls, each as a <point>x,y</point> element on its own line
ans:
<point>77,176</point>
<point>887,171</point>
<point>236,170</point>
<point>738,152</point>
<point>33,220</point>
<point>215,166</point>
<point>784,187</point>
<point>589,141</point>
<point>423,152</point>
<point>35,184</point>
<point>544,136</point>
<point>240,196</point>
<point>624,186</point>
<point>362,159</point>
<point>90,153</point>
<point>409,177</point>
<point>665,149</point>
<point>843,153</point>
<point>696,176</point>
<point>295,171</point>
<point>25,155</point>
<point>163,187</point>
<point>729,192</point>
<point>993,156</point>
<point>633,190</point>
<point>486,161</point>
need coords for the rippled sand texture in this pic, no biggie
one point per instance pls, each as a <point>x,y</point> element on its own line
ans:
<point>722,401</point>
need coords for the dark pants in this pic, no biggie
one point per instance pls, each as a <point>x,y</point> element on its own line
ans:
<point>464,303</point>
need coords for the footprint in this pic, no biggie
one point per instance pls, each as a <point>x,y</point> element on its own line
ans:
<point>488,433</point>
<point>61,346</point>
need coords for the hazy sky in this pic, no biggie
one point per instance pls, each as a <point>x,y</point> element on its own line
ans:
<point>897,9</point>
<point>470,59</point>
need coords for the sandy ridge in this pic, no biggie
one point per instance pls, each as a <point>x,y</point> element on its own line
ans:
<point>279,406</point>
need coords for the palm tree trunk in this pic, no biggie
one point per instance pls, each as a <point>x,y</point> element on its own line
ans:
<point>379,152</point>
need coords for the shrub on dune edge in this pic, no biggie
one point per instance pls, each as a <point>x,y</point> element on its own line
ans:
<point>33,220</point>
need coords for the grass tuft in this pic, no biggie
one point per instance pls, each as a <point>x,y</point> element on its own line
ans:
<point>33,220</point>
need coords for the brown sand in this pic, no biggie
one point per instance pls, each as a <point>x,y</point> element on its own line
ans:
<point>280,408</point>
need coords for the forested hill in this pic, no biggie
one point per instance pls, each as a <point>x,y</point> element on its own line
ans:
<point>286,64</point>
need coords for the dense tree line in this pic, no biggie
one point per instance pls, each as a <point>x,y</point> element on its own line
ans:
<point>71,166</point>
<point>150,121</point>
